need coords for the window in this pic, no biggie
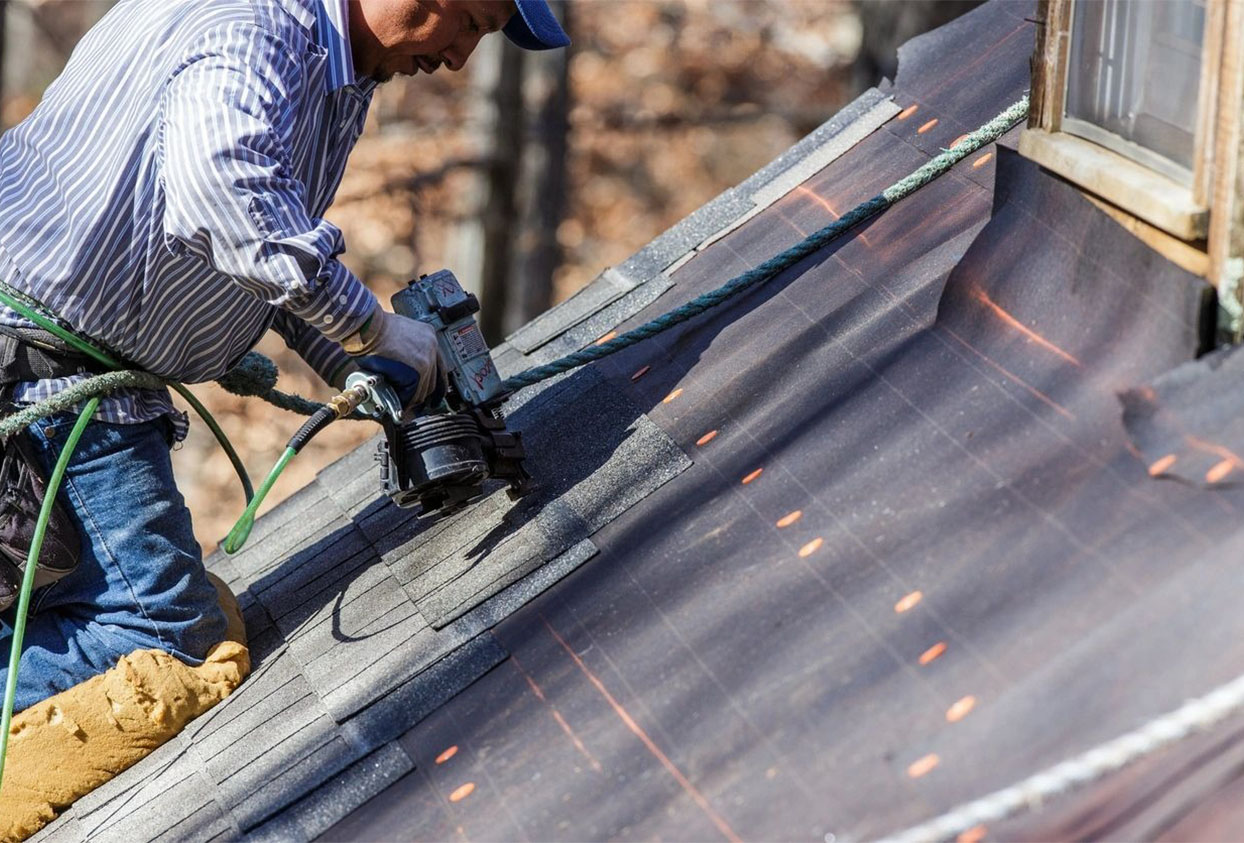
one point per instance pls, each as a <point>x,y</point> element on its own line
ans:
<point>1123,104</point>
<point>1133,79</point>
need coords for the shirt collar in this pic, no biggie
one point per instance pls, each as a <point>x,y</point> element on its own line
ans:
<point>333,34</point>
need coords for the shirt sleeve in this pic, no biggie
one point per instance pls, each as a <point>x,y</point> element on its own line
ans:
<point>231,196</point>
<point>320,353</point>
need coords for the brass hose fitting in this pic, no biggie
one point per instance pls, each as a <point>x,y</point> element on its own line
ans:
<point>347,401</point>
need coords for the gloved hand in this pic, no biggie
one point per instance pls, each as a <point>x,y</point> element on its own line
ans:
<point>338,379</point>
<point>401,350</point>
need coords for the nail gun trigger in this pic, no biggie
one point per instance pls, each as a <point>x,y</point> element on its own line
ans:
<point>388,401</point>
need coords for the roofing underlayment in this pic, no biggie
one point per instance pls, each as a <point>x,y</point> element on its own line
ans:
<point>865,543</point>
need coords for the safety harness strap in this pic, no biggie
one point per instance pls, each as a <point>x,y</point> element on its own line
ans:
<point>32,354</point>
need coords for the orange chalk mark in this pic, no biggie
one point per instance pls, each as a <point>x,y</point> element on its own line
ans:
<point>643,371</point>
<point>1038,394</point>
<point>578,744</point>
<point>817,198</point>
<point>958,141</point>
<point>982,161</point>
<point>983,297</point>
<point>933,652</point>
<point>706,438</point>
<point>1161,465</point>
<point>908,111</point>
<point>790,518</point>
<point>1219,471</point>
<point>462,792</point>
<point>606,338</point>
<point>811,547</point>
<point>749,478</point>
<point>672,396</point>
<point>960,709</point>
<point>927,126</point>
<point>908,602</point>
<point>975,834</point>
<point>557,715</point>
<point>824,203</point>
<point>447,754</point>
<point>923,766</point>
<point>648,743</point>
<point>1226,454</point>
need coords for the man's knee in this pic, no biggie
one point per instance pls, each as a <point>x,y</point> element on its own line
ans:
<point>140,583</point>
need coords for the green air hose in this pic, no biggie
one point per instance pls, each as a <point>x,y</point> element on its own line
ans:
<point>242,529</point>
<point>339,408</point>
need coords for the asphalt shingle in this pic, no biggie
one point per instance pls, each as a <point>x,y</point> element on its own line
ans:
<point>599,324</point>
<point>281,587</point>
<point>304,764</point>
<point>392,714</point>
<point>403,660</point>
<point>173,789</point>
<point>64,829</point>
<point>323,807</point>
<point>609,286</point>
<point>184,811</point>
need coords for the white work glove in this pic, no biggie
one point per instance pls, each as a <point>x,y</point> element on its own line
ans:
<point>401,350</point>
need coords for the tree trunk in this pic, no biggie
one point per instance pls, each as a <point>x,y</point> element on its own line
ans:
<point>483,246</point>
<point>888,24</point>
<point>545,179</point>
<point>507,249</point>
<point>500,213</point>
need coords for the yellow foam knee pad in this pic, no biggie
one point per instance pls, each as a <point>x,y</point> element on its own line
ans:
<point>70,744</point>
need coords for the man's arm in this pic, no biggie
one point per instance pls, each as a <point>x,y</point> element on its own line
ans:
<point>231,196</point>
<point>326,357</point>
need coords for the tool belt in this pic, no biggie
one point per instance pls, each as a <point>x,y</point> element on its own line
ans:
<point>30,355</point>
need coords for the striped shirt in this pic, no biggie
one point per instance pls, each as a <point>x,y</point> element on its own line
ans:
<point>166,197</point>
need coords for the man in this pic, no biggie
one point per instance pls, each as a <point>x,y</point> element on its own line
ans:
<point>165,199</point>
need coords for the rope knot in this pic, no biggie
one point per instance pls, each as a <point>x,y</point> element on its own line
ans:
<point>253,375</point>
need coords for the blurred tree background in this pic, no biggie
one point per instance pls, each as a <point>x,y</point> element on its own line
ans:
<point>528,174</point>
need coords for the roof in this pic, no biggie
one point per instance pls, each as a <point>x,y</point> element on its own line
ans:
<point>865,543</point>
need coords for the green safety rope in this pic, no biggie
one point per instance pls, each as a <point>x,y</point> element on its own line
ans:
<point>71,397</point>
<point>257,375</point>
<point>986,134</point>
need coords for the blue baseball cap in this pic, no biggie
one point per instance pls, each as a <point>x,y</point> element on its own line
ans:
<point>535,27</point>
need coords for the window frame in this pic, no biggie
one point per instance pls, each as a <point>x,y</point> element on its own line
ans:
<point>1097,165</point>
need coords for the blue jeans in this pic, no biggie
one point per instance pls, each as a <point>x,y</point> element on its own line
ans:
<point>140,583</point>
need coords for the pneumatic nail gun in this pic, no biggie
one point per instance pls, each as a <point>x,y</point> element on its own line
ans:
<point>441,458</point>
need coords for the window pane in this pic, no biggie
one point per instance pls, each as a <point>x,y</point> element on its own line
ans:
<point>1135,71</point>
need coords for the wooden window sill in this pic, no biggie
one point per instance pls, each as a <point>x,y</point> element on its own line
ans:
<point>1151,196</point>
